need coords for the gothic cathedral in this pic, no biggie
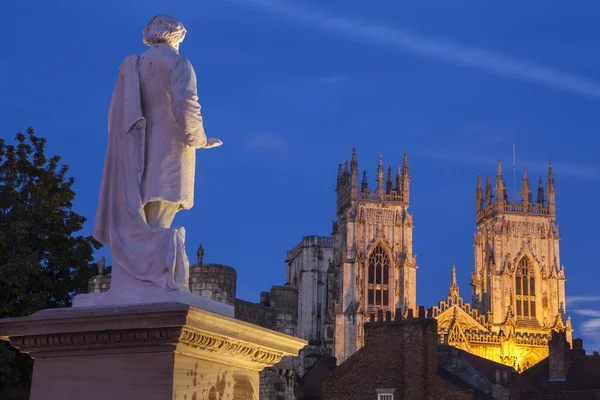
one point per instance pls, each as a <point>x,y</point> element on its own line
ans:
<point>373,270</point>
<point>368,271</point>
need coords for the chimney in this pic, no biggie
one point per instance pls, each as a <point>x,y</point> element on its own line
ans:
<point>559,356</point>
<point>578,349</point>
<point>415,342</point>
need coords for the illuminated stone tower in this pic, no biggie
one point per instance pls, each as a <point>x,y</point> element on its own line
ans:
<point>518,283</point>
<point>374,268</point>
<point>517,260</point>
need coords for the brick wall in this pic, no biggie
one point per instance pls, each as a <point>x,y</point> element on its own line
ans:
<point>559,356</point>
<point>400,355</point>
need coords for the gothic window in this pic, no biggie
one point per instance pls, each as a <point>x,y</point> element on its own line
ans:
<point>525,289</point>
<point>378,290</point>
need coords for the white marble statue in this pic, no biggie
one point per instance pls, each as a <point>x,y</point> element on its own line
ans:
<point>155,128</point>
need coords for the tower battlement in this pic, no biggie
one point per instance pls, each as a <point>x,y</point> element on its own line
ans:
<point>388,190</point>
<point>487,206</point>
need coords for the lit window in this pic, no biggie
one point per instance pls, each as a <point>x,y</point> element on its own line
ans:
<point>525,289</point>
<point>385,394</point>
<point>378,290</point>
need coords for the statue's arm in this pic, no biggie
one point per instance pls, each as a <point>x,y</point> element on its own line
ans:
<point>184,101</point>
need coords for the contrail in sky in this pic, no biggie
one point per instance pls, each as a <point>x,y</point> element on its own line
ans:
<point>397,39</point>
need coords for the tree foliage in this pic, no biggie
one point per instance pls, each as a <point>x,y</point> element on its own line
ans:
<point>43,264</point>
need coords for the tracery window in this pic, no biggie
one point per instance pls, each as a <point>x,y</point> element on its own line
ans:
<point>525,289</point>
<point>379,279</point>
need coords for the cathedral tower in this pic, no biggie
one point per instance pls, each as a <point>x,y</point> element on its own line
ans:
<point>374,268</point>
<point>518,276</point>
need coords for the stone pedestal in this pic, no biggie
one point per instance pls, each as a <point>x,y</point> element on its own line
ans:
<point>148,351</point>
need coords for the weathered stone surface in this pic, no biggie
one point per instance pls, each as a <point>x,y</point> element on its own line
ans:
<point>374,267</point>
<point>214,281</point>
<point>278,310</point>
<point>308,271</point>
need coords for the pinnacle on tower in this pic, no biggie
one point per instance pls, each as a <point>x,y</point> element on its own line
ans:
<point>550,179</point>
<point>353,169</point>
<point>540,193</point>
<point>364,184</point>
<point>453,285</point>
<point>398,179</point>
<point>405,180</point>
<point>551,194</point>
<point>525,189</point>
<point>346,174</point>
<point>501,196</point>
<point>479,194</point>
<point>405,167</point>
<point>380,175</point>
<point>488,191</point>
<point>389,185</point>
<point>340,177</point>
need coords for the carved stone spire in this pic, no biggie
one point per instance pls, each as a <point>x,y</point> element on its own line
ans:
<point>501,197</point>
<point>340,177</point>
<point>353,169</point>
<point>453,285</point>
<point>380,175</point>
<point>479,195</point>
<point>398,179</point>
<point>551,194</point>
<point>364,184</point>
<point>550,179</point>
<point>488,190</point>
<point>526,198</point>
<point>346,175</point>
<point>405,179</point>
<point>389,184</point>
<point>540,193</point>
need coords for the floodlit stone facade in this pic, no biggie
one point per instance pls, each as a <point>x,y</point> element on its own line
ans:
<point>518,285</point>
<point>373,266</point>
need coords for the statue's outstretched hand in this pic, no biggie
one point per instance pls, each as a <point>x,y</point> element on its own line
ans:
<point>194,142</point>
<point>212,142</point>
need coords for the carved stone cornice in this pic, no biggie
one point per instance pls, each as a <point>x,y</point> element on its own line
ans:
<point>119,330</point>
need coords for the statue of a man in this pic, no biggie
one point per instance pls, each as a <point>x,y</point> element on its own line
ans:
<point>155,127</point>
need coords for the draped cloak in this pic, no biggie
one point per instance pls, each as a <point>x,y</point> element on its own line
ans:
<point>153,255</point>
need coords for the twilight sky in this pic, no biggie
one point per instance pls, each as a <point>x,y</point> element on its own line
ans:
<point>290,86</point>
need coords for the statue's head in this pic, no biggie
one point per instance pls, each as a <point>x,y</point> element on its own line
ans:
<point>164,29</point>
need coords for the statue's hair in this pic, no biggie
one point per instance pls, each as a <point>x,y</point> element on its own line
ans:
<point>164,29</point>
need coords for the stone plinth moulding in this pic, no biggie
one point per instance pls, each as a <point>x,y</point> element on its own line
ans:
<point>148,351</point>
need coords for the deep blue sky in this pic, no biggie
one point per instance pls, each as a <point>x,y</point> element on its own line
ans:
<point>291,86</point>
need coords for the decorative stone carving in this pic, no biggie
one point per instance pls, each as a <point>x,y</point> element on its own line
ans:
<point>157,351</point>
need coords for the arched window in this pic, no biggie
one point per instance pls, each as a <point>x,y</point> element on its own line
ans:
<point>525,289</point>
<point>379,279</point>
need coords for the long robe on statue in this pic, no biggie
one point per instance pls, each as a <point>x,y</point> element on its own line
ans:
<point>154,107</point>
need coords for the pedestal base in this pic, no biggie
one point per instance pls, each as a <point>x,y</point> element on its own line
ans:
<point>150,295</point>
<point>152,352</point>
